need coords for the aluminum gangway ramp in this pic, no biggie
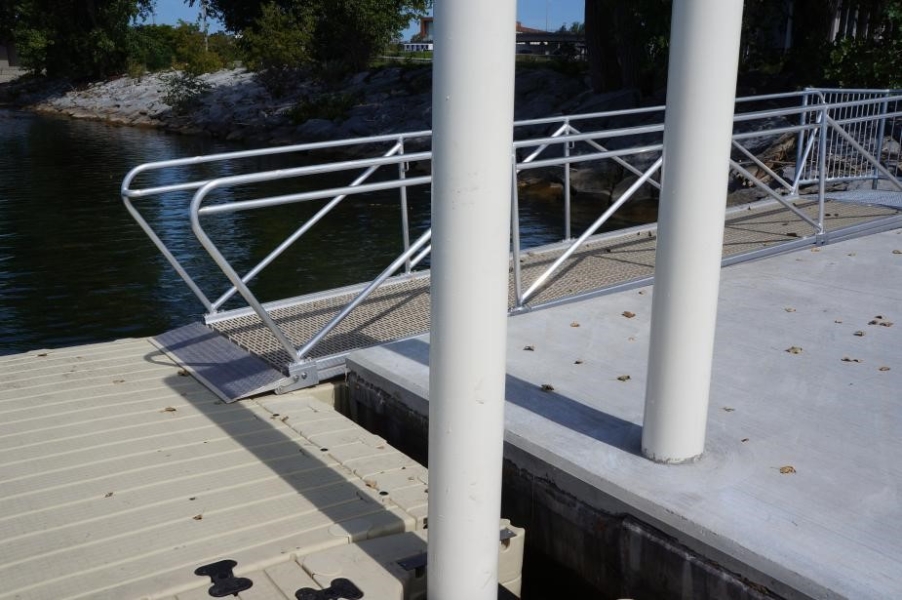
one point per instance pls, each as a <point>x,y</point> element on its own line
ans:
<point>819,166</point>
<point>237,356</point>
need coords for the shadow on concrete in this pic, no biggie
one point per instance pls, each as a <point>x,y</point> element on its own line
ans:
<point>551,405</point>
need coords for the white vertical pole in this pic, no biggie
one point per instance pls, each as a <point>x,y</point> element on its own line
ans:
<point>701,93</point>
<point>472,123</point>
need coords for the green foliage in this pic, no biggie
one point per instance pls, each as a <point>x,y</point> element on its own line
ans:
<point>627,43</point>
<point>355,31</point>
<point>191,50</point>
<point>89,39</point>
<point>575,27</point>
<point>351,31</point>
<point>33,47</point>
<point>160,47</point>
<point>326,106</point>
<point>866,63</point>
<point>763,35</point>
<point>182,91</point>
<point>225,47</point>
<point>874,61</point>
<point>151,48</point>
<point>279,38</point>
<point>74,38</point>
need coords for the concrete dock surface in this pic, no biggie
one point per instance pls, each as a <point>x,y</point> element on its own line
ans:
<point>799,492</point>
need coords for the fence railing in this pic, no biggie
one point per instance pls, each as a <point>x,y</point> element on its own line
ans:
<point>782,144</point>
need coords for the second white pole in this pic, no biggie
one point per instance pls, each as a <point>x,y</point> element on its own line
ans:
<point>472,122</point>
<point>701,93</point>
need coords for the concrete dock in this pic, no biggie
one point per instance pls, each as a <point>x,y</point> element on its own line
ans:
<point>799,493</point>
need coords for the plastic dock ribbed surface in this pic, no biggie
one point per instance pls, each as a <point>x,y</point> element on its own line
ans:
<point>120,475</point>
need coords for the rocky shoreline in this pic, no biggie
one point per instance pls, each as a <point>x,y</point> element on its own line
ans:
<point>239,107</point>
<point>396,98</point>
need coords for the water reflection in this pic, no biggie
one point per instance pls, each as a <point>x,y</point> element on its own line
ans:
<point>75,268</point>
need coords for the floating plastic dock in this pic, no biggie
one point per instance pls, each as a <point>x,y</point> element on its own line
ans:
<point>121,475</point>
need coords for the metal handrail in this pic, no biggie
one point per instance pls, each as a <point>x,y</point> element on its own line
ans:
<point>240,284</point>
<point>543,278</point>
<point>378,281</point>
<point>822,114</point>
<point>128,193</point>
<point>294,237</point>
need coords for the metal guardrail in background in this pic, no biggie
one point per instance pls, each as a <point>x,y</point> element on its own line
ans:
<point>840,135</point>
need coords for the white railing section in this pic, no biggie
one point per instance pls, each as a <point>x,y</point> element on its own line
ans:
<point>838,135</point>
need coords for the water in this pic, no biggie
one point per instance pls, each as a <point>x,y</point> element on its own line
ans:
<point>75,268</point>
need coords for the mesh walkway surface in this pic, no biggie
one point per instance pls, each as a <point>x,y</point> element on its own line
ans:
<point>401,308</point>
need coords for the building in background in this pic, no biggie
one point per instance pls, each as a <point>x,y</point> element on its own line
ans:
<point>529,41</point>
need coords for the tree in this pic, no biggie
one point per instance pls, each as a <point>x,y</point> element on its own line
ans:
<point>7,19</point>
<point>74,38</point>
<point>868,50</point>
<point>279,38</point>
<point>575,28</point>
<point>626,42</point>
<point>347,31</point>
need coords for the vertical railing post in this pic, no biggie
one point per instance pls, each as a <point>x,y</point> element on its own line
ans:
<point>567,235</point>
<point>822,168</point>
<point>472,117</point>
<point>881,131</point>
<point>701,93</point>
<point>515,235</point>
<point>800,142</point>
<point>405,219</point>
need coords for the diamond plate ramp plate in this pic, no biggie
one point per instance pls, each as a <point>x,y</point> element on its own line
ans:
<point>227,370</point>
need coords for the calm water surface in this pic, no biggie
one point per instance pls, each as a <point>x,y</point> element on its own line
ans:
<point>75,268</point>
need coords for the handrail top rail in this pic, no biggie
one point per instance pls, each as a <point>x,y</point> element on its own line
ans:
<point>833,90</point>
<point>128,191</point>
<point>267,151</point>
<point>274,174</point>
